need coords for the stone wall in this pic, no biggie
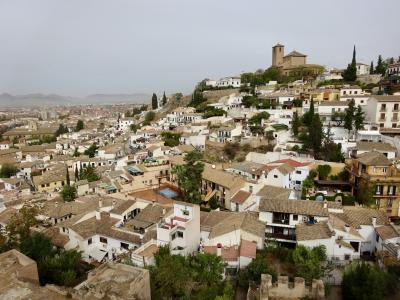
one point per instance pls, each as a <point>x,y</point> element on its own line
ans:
<point>285,290</point>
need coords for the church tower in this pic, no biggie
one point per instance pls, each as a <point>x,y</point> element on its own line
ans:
<point>278,51</point>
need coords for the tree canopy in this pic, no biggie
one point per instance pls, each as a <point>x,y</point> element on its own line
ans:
<point>171,139</point>
<point>154,101</point>
<point>189,176</point>
<point>350,74</point>
<point>8,170</point>
<point>79,125</point>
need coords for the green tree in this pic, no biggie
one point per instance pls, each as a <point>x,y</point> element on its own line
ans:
<point>134,128</point>
<point>76,152</point>
<point>76,175</point>
<point>197,98</point>
<point>365,194</point>
<point>350,74</point>
<point>8,170</point>
<point>164,99</point>
<point>89,173</point>
<point>149,117</point>
<point>68,193</point>
<point>61,130</point>
<point>37,246</point>
<point>309,115</point>
<point>171,276</point>
<point>257,118</point>
<point>308,262</point>
<point>208,268</point>
<point>189,176</point>
<point>380,66</point>
<point>18,228</point>
<point>296,124</point>
<point>349,116</point>
<point>171,139</point>
<point>359,118</point>
<point>91,151</point>
<point>79,125</point>
<point>323,171</point>
<point>252,273</point>
<point>231,149</point>
<point>315,135</point>
<point>363,281</point>
<point>154,101</point>
<point>371,68</point>
<point>68,180</point>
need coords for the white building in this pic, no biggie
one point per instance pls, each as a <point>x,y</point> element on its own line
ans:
<point>383,111</point>
<point>180,229</point>
<point>362,69</point>
<point>229,82</point>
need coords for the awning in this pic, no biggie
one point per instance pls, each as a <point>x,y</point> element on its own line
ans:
<point>97,254</point>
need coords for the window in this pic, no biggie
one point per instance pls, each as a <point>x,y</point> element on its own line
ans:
<point>378,189</point>
<point>275,176</point>
<point>295,217</point>
<point>396,107</point>
<point>384,170</point>
<point>383,107</point>
<point>124,245</point>
<point>103,240</point>
<point>179,234</point>
<point>382,117</point>
<point>89,241</point>
<point>381,125</point>
<point>394,125</point>
<point>391,190</point>
<point>298,172</point>
<point>185,212</point>
<point>173,236</point>
<point>389,203</point>
<point>250,188</point>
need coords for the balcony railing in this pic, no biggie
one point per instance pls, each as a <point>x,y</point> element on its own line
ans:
<point>291,237</point>
<point>280,221</point>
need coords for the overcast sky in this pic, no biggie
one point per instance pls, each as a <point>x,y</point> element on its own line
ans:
<point>79,47</point>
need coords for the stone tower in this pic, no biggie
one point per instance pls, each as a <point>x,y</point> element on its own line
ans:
<point>277,55</point>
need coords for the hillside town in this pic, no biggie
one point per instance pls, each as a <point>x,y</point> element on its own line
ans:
<point>281,183</point>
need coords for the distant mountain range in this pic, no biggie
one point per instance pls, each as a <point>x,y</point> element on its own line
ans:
<point>32,100</point>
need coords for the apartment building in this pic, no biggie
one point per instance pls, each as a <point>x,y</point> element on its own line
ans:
<point>383,111</point>
<point>373,170</point>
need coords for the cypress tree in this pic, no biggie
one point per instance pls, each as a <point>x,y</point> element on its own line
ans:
<point>76,174</point>
<point>371,68</point>
<point>380,68</point>
<point>154,101</point>
<point>349,116</point>
<point>295,124</point>
<point>350,74</point>
<point>67,178</point>
<point>164,99</point>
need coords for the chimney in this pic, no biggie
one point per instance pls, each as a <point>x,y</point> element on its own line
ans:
<point>347,227</point>
<point>98,215</point>
<point>164,211</point>
<point>113,203</point>
<point>100,203</point>
<point>374,222</point>
<point>325,204</point>
<point>56,203</point>
<point>219,249</point>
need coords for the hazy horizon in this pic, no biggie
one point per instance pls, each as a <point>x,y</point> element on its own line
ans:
<point>78,48</point>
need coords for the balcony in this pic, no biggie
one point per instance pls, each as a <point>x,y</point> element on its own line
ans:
<point>281,236</point>
<point>280,221</point>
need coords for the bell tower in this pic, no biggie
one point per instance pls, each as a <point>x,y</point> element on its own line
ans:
<point>278,51</point>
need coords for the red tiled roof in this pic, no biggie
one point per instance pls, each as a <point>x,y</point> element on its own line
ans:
<point>240,197</point>
<point>248,249</point>
<point>291,162</point>
<point>227,253</point>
